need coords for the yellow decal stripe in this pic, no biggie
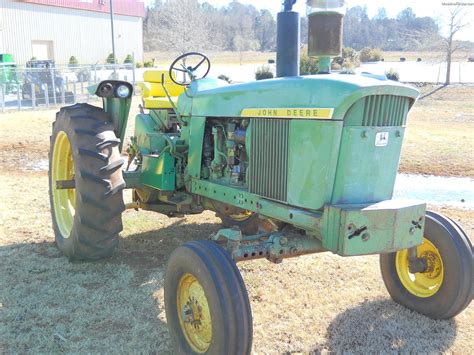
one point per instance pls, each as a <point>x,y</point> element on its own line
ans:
<point>293,112</point>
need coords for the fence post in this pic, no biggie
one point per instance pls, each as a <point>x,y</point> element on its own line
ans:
<point>46,95</point>
<point>133,70</point>
<point>74,91</point>
<point>87,91</point>
<point>63,95</point>
<point>2,97</point>
<point>95,73</point>
<point>33,96</point>
<point>82,84</point>
<point>53,85</point>
<point>67,83</point>
<point>18,96</point>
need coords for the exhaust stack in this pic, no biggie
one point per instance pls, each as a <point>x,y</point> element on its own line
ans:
<point>288,41</point>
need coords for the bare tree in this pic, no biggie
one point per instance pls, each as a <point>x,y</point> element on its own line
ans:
<point>180,25</point>
<point>456,21</point>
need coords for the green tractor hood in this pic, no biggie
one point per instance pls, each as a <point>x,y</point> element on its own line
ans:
<point>214,98</point>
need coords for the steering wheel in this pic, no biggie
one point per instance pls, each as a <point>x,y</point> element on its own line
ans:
<point>189,72</point>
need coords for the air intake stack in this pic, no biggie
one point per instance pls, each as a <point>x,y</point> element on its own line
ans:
<point>325,30</point>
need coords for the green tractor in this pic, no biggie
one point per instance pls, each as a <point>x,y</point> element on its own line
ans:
<point>293,165</point>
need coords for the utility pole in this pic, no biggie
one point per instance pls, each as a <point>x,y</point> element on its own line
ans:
<point>113,36</point>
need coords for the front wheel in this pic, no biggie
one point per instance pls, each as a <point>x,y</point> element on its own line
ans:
<point>445,287</point>
<point>207,306</point>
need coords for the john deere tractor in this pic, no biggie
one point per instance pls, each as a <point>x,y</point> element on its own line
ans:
<point>293,165</point>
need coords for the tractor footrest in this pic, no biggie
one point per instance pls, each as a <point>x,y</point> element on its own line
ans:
<point>382,227</point>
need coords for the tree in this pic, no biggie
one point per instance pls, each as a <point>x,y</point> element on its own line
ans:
<point>179,25</point>
<point>265,28</point>
<point>456,20</point>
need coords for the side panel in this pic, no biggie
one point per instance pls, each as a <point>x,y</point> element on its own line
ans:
<point>196,138</point>
<point>367,165</point>
<point>313,152</point>
<point>158,172</point>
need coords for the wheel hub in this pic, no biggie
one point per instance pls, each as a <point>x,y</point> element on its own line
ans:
<point>194,315</point>
<point>427,282</point>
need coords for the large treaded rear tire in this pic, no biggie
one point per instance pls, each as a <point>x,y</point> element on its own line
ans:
<point>98,197</point>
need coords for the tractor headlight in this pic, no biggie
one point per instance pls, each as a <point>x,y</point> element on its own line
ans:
<point>123,91</point>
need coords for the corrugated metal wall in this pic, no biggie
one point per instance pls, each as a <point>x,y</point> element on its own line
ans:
<point>84,34</point>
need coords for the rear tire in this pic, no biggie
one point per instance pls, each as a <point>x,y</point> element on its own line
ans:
<point>86,219</point>
<point>455,273</point>
<point>203,284</point>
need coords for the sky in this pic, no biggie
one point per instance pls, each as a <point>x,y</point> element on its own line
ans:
<point>432,8</point>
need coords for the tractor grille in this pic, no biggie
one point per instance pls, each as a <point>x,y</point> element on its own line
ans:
<point>385,110</point>
<point>269,158</point>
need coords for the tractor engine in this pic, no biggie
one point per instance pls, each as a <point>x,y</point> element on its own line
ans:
<point>225,156</point>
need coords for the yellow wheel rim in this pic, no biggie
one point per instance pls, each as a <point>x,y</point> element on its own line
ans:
<point>62,168</point>
<point>240,217</point>
<point>421,284</point>
<point>193,312</point>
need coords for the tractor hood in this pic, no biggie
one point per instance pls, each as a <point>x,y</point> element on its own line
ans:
<point>214,98</point>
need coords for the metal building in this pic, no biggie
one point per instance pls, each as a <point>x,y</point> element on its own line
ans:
<point>59,29</point>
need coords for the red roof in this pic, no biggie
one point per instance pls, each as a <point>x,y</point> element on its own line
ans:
<point>121,7</point>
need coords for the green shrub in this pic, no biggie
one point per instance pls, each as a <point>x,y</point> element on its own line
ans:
<point>376,55</point>
<point>225,78</point>
<point>128,59</point>
<point>348,64</point>
<point>349,53</point>
<point>148,64</point>
<point>365,54</point>
<point>263,72</point>
<point>33,58</point>
<point>73,62</point>
<point>138,65</point>
<point>111,59</point>
<point>308,66</point>
<point>370,54</point>
<point>392,74</point>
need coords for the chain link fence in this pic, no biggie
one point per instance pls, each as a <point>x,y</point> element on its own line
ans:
<point>43,86</point>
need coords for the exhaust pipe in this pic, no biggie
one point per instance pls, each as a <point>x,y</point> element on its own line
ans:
<point>288,41</point>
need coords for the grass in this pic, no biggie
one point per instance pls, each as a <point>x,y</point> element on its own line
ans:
<point>320,302</point>
<point>439,139</point>
<point>164,59</point>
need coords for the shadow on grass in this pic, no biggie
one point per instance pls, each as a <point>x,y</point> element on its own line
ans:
<point>51,305</point>
<point>382,325</point>
<point>146,251</point>
<point>433,91</point>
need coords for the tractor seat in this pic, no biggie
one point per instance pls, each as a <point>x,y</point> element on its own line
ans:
<point>154,96</point>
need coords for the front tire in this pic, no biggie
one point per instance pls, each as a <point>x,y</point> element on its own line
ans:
<point>446,287</point>
<point>207,306</point>
<point>84,155</point>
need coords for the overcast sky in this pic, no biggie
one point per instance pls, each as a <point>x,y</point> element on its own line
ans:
<point>432,8</point>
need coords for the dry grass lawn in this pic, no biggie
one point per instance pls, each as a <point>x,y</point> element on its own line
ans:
<point>252,57</point>
<point>319,302</point>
